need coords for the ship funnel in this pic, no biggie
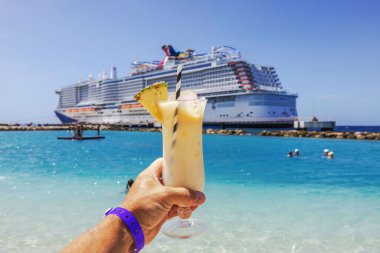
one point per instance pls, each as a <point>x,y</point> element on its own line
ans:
<point>113,73</point>
<point>213,52</point>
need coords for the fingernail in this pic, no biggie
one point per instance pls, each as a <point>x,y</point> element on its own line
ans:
<point>198,197</point>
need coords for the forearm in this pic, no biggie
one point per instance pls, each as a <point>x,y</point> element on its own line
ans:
<point>110,235</point>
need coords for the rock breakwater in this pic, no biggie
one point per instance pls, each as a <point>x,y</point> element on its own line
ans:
<point>62,127</point>
<point>108,127</point>
<point>323,134</point>
<point>226,131</point>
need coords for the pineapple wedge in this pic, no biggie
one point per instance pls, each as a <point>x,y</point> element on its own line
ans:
<point>150,95</point>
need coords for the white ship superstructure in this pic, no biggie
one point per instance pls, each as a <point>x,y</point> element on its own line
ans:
<point>238,93</point>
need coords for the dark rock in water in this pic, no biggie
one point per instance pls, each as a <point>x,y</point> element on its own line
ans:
<point>371,137</point>
<point>361,137</point>
<point>210,131</point>
<point>225,131</point>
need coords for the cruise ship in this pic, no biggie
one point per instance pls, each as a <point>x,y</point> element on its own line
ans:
<point>239,93</point>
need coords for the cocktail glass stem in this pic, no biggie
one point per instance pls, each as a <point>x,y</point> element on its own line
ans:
<point>184,212</point>
<point>184,227</point>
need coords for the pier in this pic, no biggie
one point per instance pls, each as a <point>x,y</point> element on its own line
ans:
<point>314,124</point>
<point>234,131</point>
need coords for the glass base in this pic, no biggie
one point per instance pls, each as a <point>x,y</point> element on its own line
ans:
<point>183,229</point>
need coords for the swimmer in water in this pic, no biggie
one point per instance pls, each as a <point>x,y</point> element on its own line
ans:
<point>330,155</point>
<point>129,185</point>
<point>290,154</point>
<point>325,152</point>
<point>296,152</point>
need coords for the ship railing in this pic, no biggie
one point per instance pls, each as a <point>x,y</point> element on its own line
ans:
<point>281,91</point>
<point>269,88</point>
<point>279,120</point>
<point>276,119</point>
<point>232,87</point>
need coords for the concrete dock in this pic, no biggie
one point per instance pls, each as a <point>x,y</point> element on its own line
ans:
<point>322,125</point>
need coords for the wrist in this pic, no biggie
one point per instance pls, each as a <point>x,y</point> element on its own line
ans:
<point>131,227</point>
<point>120,232</point>
<point>134,209</point>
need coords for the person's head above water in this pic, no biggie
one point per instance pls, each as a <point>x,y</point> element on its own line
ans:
<point>296,151</point>
<point>130,183</point>
<point>325,151</point>
<point>290,154</point>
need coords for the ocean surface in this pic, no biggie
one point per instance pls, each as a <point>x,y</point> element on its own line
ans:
<point>258,200</point>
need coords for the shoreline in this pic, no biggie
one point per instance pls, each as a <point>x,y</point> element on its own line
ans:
<point>271,133</point>
<point>108,127</point>
<point>69,127</point>
<point>323,134</point>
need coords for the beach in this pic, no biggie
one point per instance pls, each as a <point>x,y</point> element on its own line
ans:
<point>258,200</point>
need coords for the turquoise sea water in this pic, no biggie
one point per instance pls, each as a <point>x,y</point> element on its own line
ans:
<point>258,200</point>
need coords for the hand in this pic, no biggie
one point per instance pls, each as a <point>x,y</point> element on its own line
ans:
<point>153,204</point>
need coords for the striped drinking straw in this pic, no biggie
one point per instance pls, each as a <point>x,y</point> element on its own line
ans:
<point>179,79</point>
<point>177,94</point>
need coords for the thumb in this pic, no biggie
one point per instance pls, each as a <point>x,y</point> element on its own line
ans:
<point>185,197</point>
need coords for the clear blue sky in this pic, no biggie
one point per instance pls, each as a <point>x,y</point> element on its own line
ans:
<point>326,51</point>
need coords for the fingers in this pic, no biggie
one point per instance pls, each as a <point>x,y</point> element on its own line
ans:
<point>184,197</point>
<point>174,211</point>
<point>155,169</point>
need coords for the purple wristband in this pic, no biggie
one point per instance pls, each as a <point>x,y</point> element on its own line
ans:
<point>132,223</point>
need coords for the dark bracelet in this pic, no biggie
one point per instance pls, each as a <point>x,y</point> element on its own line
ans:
<point>131,223</point>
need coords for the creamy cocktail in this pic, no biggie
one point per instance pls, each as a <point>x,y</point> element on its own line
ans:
<point>183,156</point>
<point>181,118</point>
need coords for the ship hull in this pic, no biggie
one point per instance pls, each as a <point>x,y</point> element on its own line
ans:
<point>240,110</point>
<point>64,118</point>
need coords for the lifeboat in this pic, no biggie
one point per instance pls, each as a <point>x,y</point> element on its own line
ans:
<point>125,106</point>
<point>136,105</point>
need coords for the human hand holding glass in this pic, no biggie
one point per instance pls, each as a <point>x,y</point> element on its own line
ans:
<point>151,203</point>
